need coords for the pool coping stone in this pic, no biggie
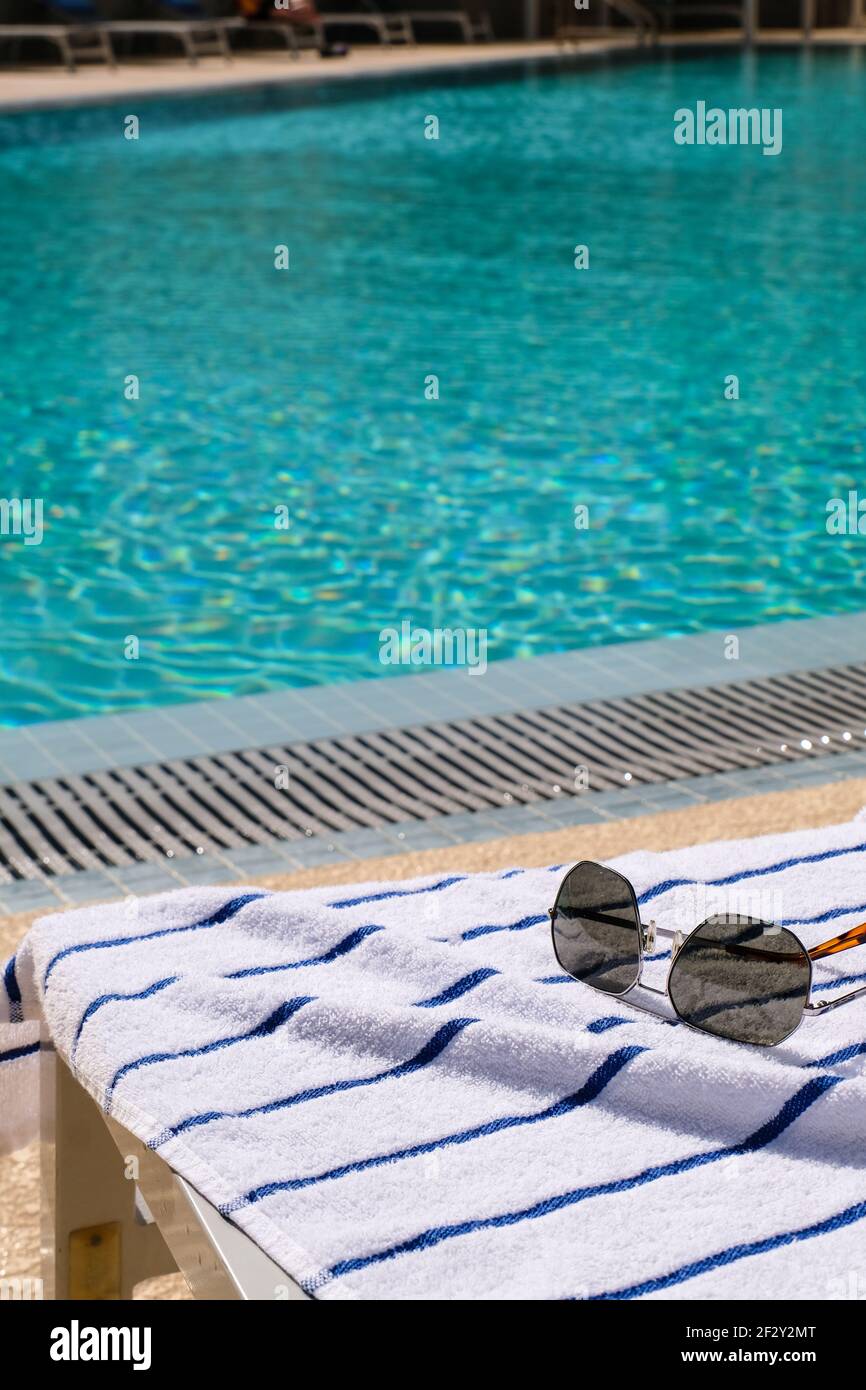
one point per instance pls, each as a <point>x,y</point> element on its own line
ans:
<point>98,743</point>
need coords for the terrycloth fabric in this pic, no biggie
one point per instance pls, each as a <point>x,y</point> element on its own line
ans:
<point>398,1094</point>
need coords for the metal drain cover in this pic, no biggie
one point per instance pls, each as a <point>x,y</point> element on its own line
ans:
<point>287,792</point>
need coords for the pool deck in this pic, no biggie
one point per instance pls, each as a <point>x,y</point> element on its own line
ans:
<point>84,747</point>
<point>80,747</point>
<point>26,88</point>
<point>621,669</point>
<point>33,88</point>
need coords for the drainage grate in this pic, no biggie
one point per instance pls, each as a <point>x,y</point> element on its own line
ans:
<point>283,793</point>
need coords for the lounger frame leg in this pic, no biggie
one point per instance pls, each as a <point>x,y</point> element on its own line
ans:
<point>188,46</point>
<point>94,1244</point>
<point>65,47</point>
<point>222,43</point>
<point>106,48</point>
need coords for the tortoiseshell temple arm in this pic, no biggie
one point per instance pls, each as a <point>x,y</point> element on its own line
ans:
<point>856,936</point>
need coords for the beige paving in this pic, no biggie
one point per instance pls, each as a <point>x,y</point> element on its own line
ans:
<point>43,86</point>
<point>23,88</point>
<point>758,815</point>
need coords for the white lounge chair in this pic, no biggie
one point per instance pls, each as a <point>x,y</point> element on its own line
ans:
<point>293,37</point>
<point>672,10</point>
<point>132,1230</point>
<point>84,31</point>
<point>644,23</point>
<point>389,28</point>
<point>200,35</point>
<point>73,41</point>
<point>474,28</point>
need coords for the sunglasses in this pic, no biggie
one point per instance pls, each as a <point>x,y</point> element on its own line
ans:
<point>733,976</point>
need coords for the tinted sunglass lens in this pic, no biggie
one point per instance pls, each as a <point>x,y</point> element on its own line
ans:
<point>596,928</point>
<point>741,979</point>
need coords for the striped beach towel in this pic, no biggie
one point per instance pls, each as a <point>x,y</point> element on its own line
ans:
<point>397,1093</point>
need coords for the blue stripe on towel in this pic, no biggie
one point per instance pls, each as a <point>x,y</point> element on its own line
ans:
<point>845,1054</point>
<point>829,916</point>
<point>400,892</point>
<point>425,1240</point>
<point>264,1029</point>
<point>738,1252</point>
<point>656,890</point>
<point>460,987</point>
<point>837,981</point>
<point>222,914</point>
<point>667,884</point>
<point>428,1054</point>
<point>601,1025</point>
<point>14,1053</point>
<point>522,925</point>
<point>97,1004</point>
<point>342,948</point>
<point>591,1088</point>
<point>10,980</point>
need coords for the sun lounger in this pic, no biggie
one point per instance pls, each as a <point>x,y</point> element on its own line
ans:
<point>389,28</point>
<point>157,1224</point>
<point>294,37</point>
<point>356,1077</point>
<point>475,29</point>
<point>199,35</point>
<point>283,34</point>
<point>645,24</point>
<point>74,41</point>
<point>672,10</point>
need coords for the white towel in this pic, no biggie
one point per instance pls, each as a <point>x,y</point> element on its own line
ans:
<point>397,1093</point>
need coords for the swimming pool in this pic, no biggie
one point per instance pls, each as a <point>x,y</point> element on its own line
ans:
<point>409,258</point>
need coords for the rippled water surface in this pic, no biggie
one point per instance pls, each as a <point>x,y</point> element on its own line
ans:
<point>411,257</point>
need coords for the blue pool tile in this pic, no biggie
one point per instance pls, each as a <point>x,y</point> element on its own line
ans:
<point>520,820</point>
<point>27,764</point>
<point>628,807</point>
<point>310,853</point>
<point>30,895</point>
<point>670,797</point>
<point>87,886</point>
<point>573,811</point>
<point>146,878</point>
<point>431,834</point>
<point>354,843</point>
<point>262,861</point>
<point>203,869</point>
<point>469,826</point>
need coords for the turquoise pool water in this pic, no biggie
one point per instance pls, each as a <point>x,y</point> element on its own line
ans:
<point>411,257</point>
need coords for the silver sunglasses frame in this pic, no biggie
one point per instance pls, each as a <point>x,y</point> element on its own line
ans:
<point>649,932</point>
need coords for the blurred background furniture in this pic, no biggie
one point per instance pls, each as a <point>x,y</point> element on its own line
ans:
<point>389,27</point>
<point>73,29</point>
<point>572,26</point>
